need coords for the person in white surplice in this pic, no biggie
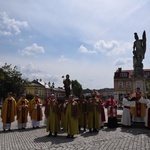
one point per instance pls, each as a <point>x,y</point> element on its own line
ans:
<point>147,117</point>
<point>126,115</point>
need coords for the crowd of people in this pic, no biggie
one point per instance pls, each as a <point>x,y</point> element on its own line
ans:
<point>21,109</point>
<point>74,114</point>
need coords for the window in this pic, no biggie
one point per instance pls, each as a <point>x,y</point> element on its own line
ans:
<point>120,84</point>
<point>128,84</point>
<point>36,92</point>
<point>147,74</point>
<point>123,75</point>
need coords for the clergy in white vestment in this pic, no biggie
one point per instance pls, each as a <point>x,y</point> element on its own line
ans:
<point>147,116</point>
<point>126,115</point>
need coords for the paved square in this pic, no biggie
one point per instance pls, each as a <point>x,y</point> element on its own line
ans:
<point>134,138</point>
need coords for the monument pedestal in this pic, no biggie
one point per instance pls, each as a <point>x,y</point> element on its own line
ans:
<point>139,82</point>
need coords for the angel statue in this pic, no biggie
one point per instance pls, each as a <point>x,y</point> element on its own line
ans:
<point>139,48</point>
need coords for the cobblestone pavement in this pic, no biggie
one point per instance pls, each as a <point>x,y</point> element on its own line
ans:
<point>134,138</point>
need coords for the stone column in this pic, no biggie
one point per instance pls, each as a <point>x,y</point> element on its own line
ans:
<point>139,82</point>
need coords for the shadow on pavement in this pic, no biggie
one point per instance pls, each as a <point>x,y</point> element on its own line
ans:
<point>136,130</point>
<point>20,130</point>
<point>87,134</point>
<point>109,129</point>
<point>54,140</point>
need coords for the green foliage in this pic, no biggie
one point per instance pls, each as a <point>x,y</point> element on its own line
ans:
<point>76,87</point>
<point>11,80</point>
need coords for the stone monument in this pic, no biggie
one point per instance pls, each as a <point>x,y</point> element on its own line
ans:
<point>139,49</point>
<point>67,83</point>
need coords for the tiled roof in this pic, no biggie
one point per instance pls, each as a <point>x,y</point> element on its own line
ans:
<point>130,71</point>
<point>44,84</point>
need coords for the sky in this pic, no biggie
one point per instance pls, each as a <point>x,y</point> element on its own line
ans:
<point>87,39</point>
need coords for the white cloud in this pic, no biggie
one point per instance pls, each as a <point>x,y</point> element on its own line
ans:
<point>5,33</point>
<point>105,46</point>
<point>123,61</point>
<point>10,26</point>
<point>62,58</point>
<point>112,47</point>
<point>83,49</point>
<point>31,50</point>
<point>109,48</point>
<point>29,68</point>
<point>30,72</point>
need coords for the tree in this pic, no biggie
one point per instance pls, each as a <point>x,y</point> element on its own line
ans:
<point>11,80</point>
<point>76,87</point>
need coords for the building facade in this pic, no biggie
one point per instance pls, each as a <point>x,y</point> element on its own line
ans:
<point>105,93</point>
<point>44,90</point>
<point>123,82</point>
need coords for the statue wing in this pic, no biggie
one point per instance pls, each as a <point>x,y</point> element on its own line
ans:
<point>144,41</point>
<point>144,35</point>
